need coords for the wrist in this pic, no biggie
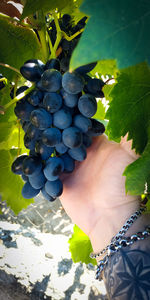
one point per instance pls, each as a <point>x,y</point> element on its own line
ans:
<point>110,223</point>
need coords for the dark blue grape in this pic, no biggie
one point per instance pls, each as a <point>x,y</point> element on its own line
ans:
<point>36,61</point>
<point>35,98</point>
<point>87,105</point>
<point>23,110</point>
<point>54,188</point>
<point>94,87</point>
<point>52,102</point>
<point>72,137</point>
<point>33,132</point>
<point>29,142</point>
<point>28,191</point>
<point>31,166</point>
<point>53,64</point>
<point>22,89</point>
<point>69,163</point>
<point>86,68</point>
<point>78,153</point>
<point>47,196</point>
<point>43,150</point>
<point>62,118</point>
<point>51,80</point>
<point>41,119</point>
<point>24,125</point>
<point>31,71</point>
<point>83,123</point>
<point>17,165</point>
<point>64,64</point>
<point>72,83</point>
<point>37,181</point>
<point>54,168</point>
<point>97,128</point>
<point>70,100</point>
<point>87,140</point>
<point>61,148</point>
<point>51,137</point>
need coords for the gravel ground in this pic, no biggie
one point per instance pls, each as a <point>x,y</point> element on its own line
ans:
<point>38,265</point>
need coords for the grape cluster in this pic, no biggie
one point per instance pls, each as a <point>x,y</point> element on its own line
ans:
<point>57,120</point>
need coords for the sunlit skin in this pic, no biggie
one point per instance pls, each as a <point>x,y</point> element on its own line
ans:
<point>94,194</point>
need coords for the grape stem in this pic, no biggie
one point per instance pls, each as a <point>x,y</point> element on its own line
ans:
<point>61,34</point>
<point>19,97</point>
<point>10,67</point>
<point>42,36</point>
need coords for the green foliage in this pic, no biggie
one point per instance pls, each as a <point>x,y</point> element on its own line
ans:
<point>129,111</point>
<point>11,184</point>
<point>80,247</point>
<point>138,173</point>
<point>115,30</point>
<point>32,6</point>
<point>17,44</point>
<point>105,67</point>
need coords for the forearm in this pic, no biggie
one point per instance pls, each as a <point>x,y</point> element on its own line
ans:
<point>127,273</point>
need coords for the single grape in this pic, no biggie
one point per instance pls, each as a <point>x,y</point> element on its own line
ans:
<point>35,97</point>
<point>94,87</point>
<point>78,153</point>
<point>33,132</point>
<point>64,64</point>
<point>54,188</point>
<point>51,80</point>
<point>72,137</point>
<point>72,83</point>
<point>41,119</point>
<point>87,105</point>
<point>36,61</point>
<point>31,166</point>
<point>70,100</point>
<point>61,148</point>
<point>28,191</point>
<point>47,196</point>
<point>29,142</point>
<point>43,150</point>
<point>62,118</point>
<point>87,140</point>
<point>86,68</point>
<point>17,165</point>
<point>54,168</point>
<point>52,102</point>
<point>81,122</point>
<point>97,128</point>
<point>51,137</point>
<point>23,110</point>
<point>31,71</point>
<point>69,163</point>
<point>37,181</point>
<point>53,64</point>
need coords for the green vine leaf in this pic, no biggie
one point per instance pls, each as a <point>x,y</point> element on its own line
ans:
<point>115,30</point>
<point>129,110</point>
<point>80,240</point>
<point>17,44</point>
<point>138,173</point>
<point>100,114</point>
<point>11,184</point>
<point>31,6</point>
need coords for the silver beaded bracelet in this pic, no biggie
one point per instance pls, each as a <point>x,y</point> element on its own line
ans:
<point>117,245</point>
<point>121,232</point>
<point>117,242</point>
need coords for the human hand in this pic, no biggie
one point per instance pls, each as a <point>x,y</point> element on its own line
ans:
<point>94,194</point>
